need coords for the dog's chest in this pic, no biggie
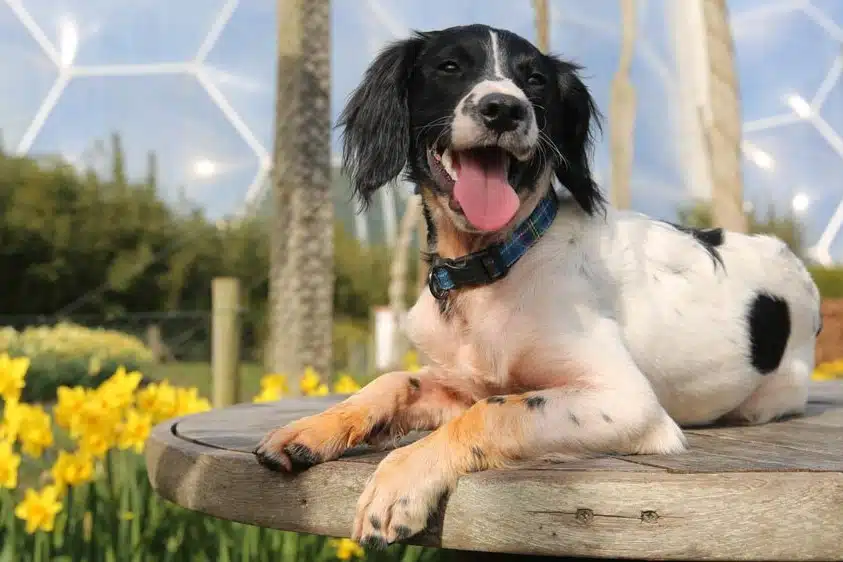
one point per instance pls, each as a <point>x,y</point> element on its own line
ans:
<point>483,334</point>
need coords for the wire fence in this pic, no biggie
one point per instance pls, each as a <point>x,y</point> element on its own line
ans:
<point>185,336</point>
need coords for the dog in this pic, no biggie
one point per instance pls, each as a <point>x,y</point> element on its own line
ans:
<point>553,323</point>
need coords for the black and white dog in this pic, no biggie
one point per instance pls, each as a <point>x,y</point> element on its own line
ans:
<point>553,323</point>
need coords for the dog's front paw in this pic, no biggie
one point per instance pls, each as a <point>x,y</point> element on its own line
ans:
<point>310,440</point>
<point>401,495</point>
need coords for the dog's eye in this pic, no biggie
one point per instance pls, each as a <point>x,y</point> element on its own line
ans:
<point>536,79</point>
<point>449,67</point>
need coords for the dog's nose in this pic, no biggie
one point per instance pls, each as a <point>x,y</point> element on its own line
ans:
<point>502,112</point>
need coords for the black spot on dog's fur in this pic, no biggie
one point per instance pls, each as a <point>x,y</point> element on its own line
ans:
<point>301,456</point>
<point>402,532</point>
<point>375,542</point>
<point>574,419</point>
<point>375,521</point>
<point>495,399</point>
<point>769,330</point>
<point>403,500</point>
<point>709,238</point>
<point>477,452</point>
<point>606,417</point>
<point>415,383</point>
<point>535,402</point>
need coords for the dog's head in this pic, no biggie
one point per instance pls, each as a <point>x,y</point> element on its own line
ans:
<point>478,117</point>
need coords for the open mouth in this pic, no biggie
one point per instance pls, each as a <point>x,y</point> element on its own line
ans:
<point>481,182</point>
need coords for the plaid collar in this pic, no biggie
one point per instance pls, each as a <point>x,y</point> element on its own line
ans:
<point>490,264</point>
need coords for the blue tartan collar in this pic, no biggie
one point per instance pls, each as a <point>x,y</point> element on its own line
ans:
<point>486,266</point>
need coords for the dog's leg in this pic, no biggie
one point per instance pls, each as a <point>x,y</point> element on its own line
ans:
<point>616,411</point>
<point>389,406</point>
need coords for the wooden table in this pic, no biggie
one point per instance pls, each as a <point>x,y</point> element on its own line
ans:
<point>770,492</point>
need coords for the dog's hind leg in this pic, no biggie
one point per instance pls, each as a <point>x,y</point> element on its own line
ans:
<point>390,406</point>
<point>781,393</point>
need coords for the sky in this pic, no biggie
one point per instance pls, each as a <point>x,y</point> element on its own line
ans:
<point>194,81</point>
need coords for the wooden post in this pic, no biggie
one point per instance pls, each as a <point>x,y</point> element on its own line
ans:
<point>225,340</point>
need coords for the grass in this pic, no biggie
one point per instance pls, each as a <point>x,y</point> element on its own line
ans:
<point>198,374</point>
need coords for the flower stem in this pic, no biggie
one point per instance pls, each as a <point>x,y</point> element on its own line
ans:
<point>115,508</point>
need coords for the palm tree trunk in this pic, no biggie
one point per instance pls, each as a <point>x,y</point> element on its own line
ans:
<point>723,127</point>
<point>301,271</point>
<point>622,110</point>
<point>398,274</point>
<point>542,15</point>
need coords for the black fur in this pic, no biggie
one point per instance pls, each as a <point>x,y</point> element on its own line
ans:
<point>496,400</point>
<point>769,330</point>
<point>407,98</point>
<point>709,238</point>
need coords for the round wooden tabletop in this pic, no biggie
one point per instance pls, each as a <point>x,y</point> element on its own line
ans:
<point>769,492</point>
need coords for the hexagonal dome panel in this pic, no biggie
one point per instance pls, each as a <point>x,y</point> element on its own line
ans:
<point>833,10</point>
<point>832,109</point>
<point>196,147</point>
<point>125,31</point>
<point>801,162</point>
<point>242,65</point>
<point>770,69</point>
<point>26,76</point>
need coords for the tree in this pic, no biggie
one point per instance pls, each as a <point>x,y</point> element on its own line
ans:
<point>622,110</point>
<point>722,120</point>
<point>301,272</point>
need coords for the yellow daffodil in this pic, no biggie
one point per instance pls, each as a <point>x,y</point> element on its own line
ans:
<point>118,390</point>
<point>134,431</point>
<point>411,361</point>
<point>347,549</point>
<point>12,417</point>
<point>97,414</point>
<point>12,376</point>
<point>310,382</point>
<point>188,401</point>
<point>345,384</point>
<point>830,370</point>
<point>9,463</point>
<point>69,405</point>
<point>159,400</point>
<point>72,469</point>
<point>35,433</point>
<point>97,442</point>
<point>39,509</point>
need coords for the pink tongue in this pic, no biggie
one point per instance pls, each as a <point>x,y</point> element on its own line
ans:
<point>486,198</point>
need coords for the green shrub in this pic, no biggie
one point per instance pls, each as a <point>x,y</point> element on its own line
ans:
<point>829,281</point>
<point>71,355</point>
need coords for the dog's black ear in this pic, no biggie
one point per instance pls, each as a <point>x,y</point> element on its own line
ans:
<point>376,120</point>
<point>572,133</point>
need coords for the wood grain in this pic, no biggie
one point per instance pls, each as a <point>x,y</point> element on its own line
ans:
<point>769,492</point>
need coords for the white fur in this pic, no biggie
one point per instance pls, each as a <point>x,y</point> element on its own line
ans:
<point>637,308</point>
<point>467,131</point>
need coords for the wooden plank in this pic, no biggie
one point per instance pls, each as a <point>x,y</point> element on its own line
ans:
<point>830,392</point>
<point>804,437</point>
<point>651,515</point>
<point>709,453</point>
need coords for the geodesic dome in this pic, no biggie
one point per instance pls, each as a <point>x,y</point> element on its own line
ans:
<point>194,82</point>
